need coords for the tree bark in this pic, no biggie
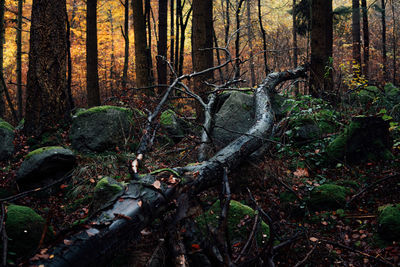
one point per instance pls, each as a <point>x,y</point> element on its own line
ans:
<point>139,27</point>
<point>202,42</point>
<point>19,59</point>
<point>126,39</point>
<point>46,104</point>
<point>321,48</point>
<point>237,40</point>
<point>172,33</point>
<point>115,227</point>
<point>2,41</point>
<point>264,38</point>
<point>162,44</point>
<point>69,80</point>
<point>92,75</point>
<point>394,44</point>
<point>250,40</point>
<point>356,33</point>
<point>366,38</point>
<point>384,54</point>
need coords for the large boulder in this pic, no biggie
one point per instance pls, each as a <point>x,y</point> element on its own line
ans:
<point>234,118</point>
<point>389,222</point>
<point>100,128</point>
<point>6,140</point>
<point>24,229</point>
<point>366,138</point>
<point>175,127</point>
<point>44,166</point>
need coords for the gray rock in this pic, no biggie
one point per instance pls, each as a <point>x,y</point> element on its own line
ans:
<point>100,128</point>
<point>171,123</point>
<point>107,190</point>
<point>45,165</point>
<point>235,117</point>
<point>307,132</point>
<point>6,140</point>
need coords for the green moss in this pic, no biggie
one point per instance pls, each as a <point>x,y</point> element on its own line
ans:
<point>337,148</point>
<point>167,117</point>
<point>237,230</point>
<point>166,170</point>
<point>105,185</point>
<point>328,196</point>
<point>101,109</point>
<point>389,222</point>
<point>24,228</point>
<point>6,125</point>
<point>41,150</point>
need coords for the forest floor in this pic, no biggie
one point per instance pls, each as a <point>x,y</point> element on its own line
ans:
<point>280,183</point>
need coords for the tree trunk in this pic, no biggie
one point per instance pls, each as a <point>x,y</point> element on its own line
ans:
<point>69,80</point>
<point>394,44</point>
<point>46,104</point>
<point>237,40</point>
<point>264,38</point>
<point>172,33</point>
<point>162,44</point>
<point>92,75</point>
<point>2,41</point>
<point>384,54</point>
<point>126,39</point>
<point>321,48</point>
<point>250,39</point>
<point>147,12</point>
<point>356,35</point>
<point>183,24</point>
<point>366,38</point>
<point>139,27</point>
<point>115,227</point>
<point>177,33</point>
<point>19,59</point>
<point>202,42</point>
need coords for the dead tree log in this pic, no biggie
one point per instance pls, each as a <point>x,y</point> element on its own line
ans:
<point>144,200</point>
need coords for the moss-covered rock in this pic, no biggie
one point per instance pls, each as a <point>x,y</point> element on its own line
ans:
<point>106,191</point>
<point>389,223</point>
<point>175,127</point>
<point>365,138</point>
<point>45,165</point>
<point>24,228</point>
<point>6,140</point>
<point>101,128</point>
<point>328,196</point>
<point>239,222</point>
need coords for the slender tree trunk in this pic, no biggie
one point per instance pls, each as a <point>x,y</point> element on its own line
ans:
<point>356,34</point>
<point>183,24</point>
<point>139,27</point>
<point>237,41</point>
<point>147,9</point>
<point>321,48</point>
<point>366,38</point>
<point>202,41</point>
<point>250,38</point>
<point>126,38</point>
<point>384,54</point>
<point>92,75</point>
<point>2,41</point>
<point>69,80</point>
<point>46,103</point>
<point>295,46</point>
<point>264,38</point>
<point>162,43</point>
<point>19,59</point>
<point>172,36</point>
<point>177,33</point>
<point>112,57</point>
<point>394,43</point>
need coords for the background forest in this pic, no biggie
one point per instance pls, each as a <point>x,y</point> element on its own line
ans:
<point>284,115</point>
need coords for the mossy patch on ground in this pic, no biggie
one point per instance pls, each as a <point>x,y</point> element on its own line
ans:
<point>24,228</point>
<point>240,222</point>
<point>328,196</point>
<point>389,223</point>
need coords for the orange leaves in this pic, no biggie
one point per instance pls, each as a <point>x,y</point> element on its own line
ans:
<point>301,172</point>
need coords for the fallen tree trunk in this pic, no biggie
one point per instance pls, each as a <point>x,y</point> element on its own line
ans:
<point>143,200</point>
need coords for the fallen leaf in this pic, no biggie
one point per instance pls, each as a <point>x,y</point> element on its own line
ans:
<point>157,184</point>
<point>313,239</point>
<point>63,186</point>
<point>195,246</point>
<point>92,180</point>
<point>301,172</point>
<point>68,242</point>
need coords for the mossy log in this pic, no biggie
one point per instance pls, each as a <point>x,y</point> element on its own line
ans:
<point>141,202</point>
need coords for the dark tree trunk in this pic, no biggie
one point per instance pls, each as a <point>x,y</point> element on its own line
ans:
<point>92,75</point>
<point>46,104</point>
<point>366,38</point>
<point>172,33</point>
<point>237,40</point>
<point>321,48</point>
<point>183,24</point>
<point>295,56</point>
<point>147,13</point>
<point>250,40</point>
<point>112,56</point>
<point>139,27</point>
<point>202,42</point>
<point>162,43</point>
<point>125,34</point>
<point>384,54</point>
<point>2,41</point>
<point>69,80</point>
<point>356,33</point>
<point>177,33</point>
<point>19,59</point>
<point>264,38</point>
<point>394,43</point>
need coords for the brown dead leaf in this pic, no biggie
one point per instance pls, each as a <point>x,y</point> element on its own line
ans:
<point>157,184</point>
<point>301,172</point>
<point>313,239</point>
